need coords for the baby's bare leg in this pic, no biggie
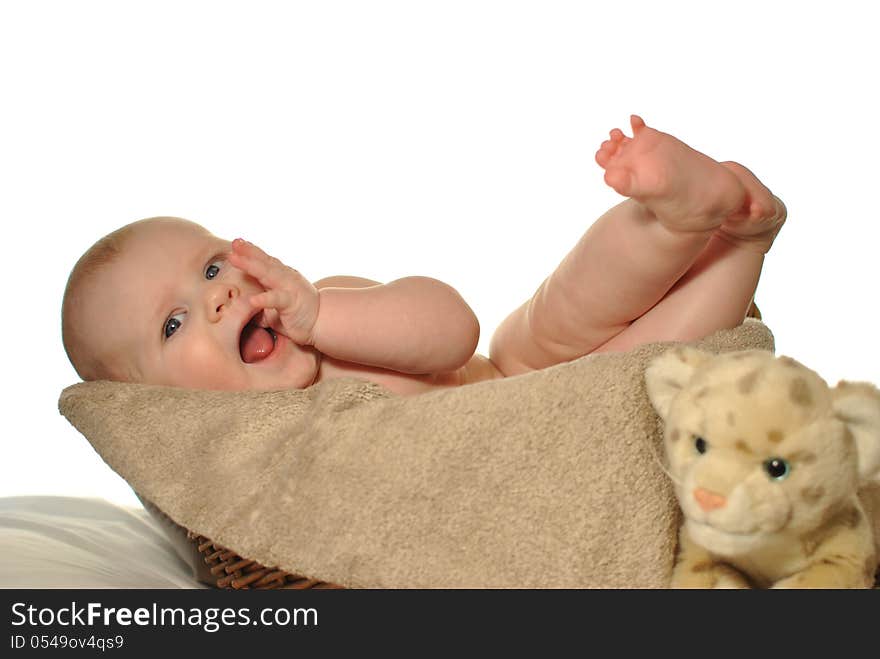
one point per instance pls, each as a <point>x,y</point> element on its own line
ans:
<point>634,255</point>
<point>717,291</point>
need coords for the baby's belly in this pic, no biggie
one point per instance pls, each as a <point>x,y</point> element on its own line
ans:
<point>477,369</point>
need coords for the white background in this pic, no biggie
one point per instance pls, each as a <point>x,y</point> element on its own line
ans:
<point>450,139</point>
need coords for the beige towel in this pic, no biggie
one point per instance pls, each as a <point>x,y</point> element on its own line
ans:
<point>549,479</point>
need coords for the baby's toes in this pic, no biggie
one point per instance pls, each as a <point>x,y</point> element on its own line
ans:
<point>620,180</point>
<point>767,208</point>
<point>617,136</point>
<point>761,202</point>
<point>612,148</point>
<point>761,209</point>
<point>606,153</point>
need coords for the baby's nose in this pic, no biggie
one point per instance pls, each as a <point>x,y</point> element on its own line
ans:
<point>219,299</point>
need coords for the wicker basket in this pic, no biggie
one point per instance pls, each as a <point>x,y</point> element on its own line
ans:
<point>229,570</point>
<point>217,566</point>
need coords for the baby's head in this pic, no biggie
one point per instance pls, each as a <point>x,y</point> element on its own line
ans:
<point>157,302</point>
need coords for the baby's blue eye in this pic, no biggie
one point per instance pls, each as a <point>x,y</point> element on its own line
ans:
<point>173,324</point>
<point>212,270</point>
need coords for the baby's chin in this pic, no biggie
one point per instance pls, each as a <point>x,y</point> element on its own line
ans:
<point>303,375</point>
<point>291,366</point>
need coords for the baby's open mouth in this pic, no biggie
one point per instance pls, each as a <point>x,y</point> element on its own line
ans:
<point>256,342</point>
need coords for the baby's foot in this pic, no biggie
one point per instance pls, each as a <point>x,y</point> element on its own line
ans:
<point>686,190</point>
<point>761,217</point>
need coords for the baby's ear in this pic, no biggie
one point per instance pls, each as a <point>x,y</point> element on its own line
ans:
<point>669,373</point>
<point>857,404</point>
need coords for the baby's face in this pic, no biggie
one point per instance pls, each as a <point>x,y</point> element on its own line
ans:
<point>171,310</point>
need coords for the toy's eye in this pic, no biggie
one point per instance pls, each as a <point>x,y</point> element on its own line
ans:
<point>701,445</point>
<point>777,468</point>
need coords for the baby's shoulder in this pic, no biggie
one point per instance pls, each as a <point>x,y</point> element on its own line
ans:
<point>344,281</point>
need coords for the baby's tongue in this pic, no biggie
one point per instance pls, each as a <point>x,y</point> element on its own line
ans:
<point>256,344</point>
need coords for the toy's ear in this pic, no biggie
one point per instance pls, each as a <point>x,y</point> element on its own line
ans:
<point>857,404</point>
<point>668,374</point>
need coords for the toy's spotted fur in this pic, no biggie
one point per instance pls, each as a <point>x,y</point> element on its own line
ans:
<point>767,462</point>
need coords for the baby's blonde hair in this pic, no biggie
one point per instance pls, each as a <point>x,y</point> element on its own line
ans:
<point>88,363</point>
<point>87,360</point>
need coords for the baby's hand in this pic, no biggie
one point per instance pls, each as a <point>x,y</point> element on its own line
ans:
<point>290,301</point>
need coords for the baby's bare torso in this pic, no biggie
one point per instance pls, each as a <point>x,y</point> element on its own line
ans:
<point>478,369</point>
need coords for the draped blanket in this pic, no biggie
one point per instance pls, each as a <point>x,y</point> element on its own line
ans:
<point>550,479</point>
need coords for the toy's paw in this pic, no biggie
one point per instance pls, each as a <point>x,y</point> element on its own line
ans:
<point>825,578</point>
<point>714,576</point>
<point>730,581</point>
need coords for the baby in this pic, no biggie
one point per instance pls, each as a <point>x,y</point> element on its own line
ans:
<point>163,301</point>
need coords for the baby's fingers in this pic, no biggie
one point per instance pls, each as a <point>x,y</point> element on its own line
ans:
<point>245,248</point>
<point>276,298</point>
<point>288,313</point>
<point>269,271</point>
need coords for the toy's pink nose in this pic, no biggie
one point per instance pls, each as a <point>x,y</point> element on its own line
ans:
<point>708,500</point>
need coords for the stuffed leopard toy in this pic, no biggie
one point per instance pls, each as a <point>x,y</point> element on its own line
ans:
<point>768,463</point>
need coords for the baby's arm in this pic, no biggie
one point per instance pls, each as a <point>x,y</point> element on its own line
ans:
<point>412,325</point>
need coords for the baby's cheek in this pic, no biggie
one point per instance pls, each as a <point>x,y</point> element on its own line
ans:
<point>201,365</point>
